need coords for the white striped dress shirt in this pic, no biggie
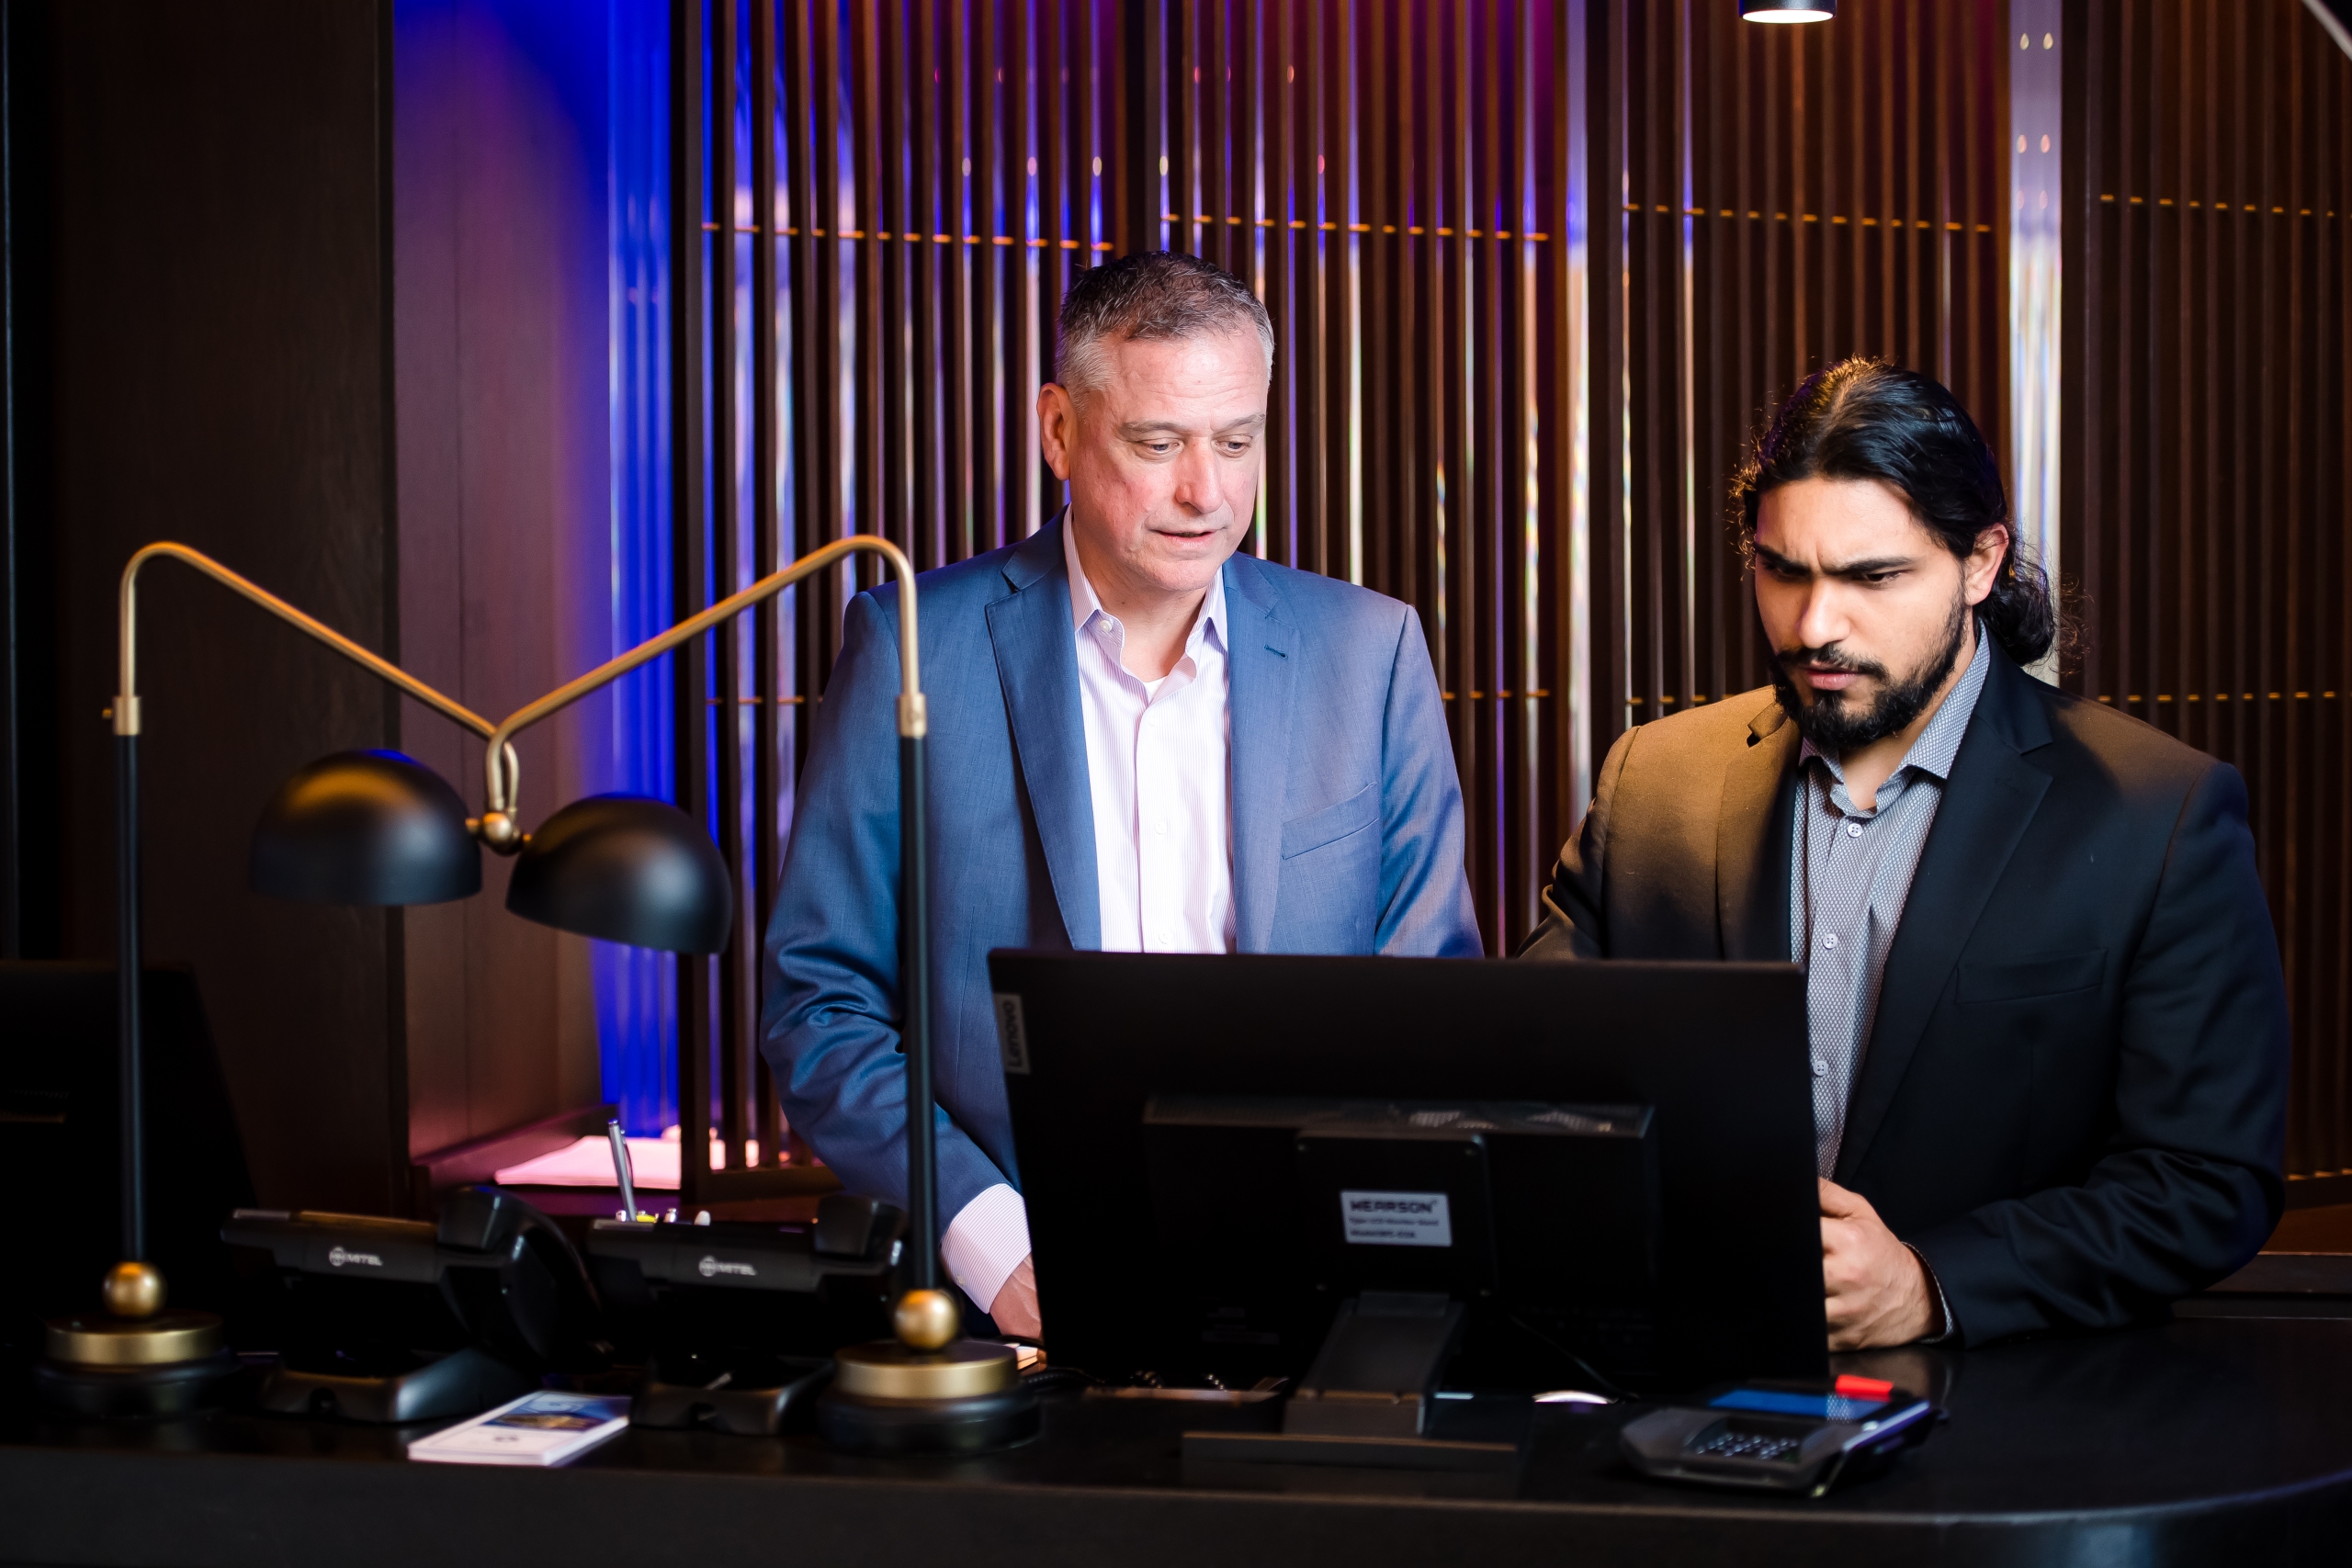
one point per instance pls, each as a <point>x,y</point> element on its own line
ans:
<point>1157,765</point>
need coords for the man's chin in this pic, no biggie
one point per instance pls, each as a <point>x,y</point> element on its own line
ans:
<point>1860,697</point>
<point>1187,565</point>
<point>1829,719</point>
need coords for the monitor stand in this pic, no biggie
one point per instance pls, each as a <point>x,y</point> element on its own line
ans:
<point>1367,1401</point>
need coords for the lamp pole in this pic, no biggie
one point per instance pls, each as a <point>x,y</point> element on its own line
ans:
<point>914,1006</point>
<point>129,1043</point>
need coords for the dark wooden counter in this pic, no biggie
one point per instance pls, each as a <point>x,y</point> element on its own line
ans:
<point>2176,1443</point>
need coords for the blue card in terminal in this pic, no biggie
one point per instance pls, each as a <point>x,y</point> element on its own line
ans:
<point>1819,1407</point>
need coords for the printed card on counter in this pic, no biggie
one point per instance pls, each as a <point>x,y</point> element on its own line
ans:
<point>546,1428</point>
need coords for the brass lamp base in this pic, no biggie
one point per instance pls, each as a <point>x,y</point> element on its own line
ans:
<point>138,1361</point>
<point>100,1367</point>
<point>887,1398</point>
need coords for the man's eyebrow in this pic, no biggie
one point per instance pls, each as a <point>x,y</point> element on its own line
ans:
<point>1137,429</point>
<point>1869,567</point>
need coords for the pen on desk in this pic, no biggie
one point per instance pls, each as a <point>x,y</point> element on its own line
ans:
<point>620,1170</point>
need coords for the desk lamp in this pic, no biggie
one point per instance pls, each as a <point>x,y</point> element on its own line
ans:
<point>640,870</point>
<point>378,827</point>
<point>358,828</point>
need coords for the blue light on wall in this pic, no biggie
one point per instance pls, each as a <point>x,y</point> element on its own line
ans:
<point>637,991</point>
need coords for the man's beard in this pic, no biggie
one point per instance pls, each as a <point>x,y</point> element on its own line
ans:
<point>1833,723</point>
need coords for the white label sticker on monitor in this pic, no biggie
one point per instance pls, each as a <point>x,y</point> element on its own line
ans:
<point>1012,1033</point>
<point>1396,1219</point>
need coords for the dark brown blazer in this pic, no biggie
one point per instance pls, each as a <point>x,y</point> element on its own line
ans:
<point>2073,1098</point>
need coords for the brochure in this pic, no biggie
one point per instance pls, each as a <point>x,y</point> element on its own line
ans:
<point>546,1428</point>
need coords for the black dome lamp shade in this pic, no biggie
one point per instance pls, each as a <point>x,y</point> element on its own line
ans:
<point>366,828</point>
<point>626,868</point>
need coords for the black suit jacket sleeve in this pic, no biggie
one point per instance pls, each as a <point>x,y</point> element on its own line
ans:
<point>2188,1185</point>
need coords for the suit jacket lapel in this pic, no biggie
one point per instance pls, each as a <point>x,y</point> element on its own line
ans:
<point>1036,664</point>
<point>1988,803</point>
<point>1752,842</point>
<point>1260,661</point>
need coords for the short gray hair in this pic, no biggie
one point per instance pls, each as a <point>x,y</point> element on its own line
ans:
<point>1152,296</point>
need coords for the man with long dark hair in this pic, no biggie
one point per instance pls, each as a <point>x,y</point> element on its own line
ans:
<point>2048,1023</point>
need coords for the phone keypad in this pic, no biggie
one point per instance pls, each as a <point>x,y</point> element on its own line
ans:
<point>1746,1445</point>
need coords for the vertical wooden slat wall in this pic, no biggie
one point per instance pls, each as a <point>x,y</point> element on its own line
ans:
<point>1790,195</point>
<point>1384,174</point>
<point>2207,491</point>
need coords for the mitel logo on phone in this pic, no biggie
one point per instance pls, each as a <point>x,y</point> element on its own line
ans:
<point>338,1258</point>
<point>710,1266</point>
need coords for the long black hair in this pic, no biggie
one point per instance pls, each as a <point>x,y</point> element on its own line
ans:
<point>1863,419</point>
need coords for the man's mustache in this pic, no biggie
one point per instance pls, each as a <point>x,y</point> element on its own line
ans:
<point>1831,660</point>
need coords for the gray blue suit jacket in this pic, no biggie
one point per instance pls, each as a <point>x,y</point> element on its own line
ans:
<point>1347,832</point>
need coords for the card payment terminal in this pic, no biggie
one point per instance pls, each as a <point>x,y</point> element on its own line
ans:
<point>1775,1437</point>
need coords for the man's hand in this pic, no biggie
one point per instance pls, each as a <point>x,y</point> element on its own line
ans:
<point>1876,1288</point>
<point>1015,1307</point>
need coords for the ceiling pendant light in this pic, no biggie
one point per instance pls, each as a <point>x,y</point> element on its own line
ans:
<point>1787,10</point>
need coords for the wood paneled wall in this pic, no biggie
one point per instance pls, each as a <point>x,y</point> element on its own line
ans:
<point>1791,195</point>
<point>1392,178</point>
<point>222,323</point>
<point>2207,487</point>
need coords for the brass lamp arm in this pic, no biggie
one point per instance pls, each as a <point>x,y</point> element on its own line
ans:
<point>125,702</point>
<point>499,828</point>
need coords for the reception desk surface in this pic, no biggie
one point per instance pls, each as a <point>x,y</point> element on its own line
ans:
<point>2185,1442</point>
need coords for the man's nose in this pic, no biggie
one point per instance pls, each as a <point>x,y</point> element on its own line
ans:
<point>1196,489</point>
<point>1825,620</point>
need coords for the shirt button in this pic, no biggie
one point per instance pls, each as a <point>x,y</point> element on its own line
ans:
<point>1853,829</point>
<point>1829,940</point>
<point>1820,1068</point>
<point>1160,826</point>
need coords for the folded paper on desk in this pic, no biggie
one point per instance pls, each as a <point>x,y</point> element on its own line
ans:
<point>546,1428</point>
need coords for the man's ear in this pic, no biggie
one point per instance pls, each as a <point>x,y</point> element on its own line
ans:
<point>1057,427</point>
<point>1983,567</point>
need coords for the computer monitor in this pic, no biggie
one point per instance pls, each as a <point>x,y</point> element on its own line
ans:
<point>1609,1164</point>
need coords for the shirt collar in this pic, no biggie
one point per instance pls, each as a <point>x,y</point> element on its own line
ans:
<point>1939,745</point>
<point>1085,604</point>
